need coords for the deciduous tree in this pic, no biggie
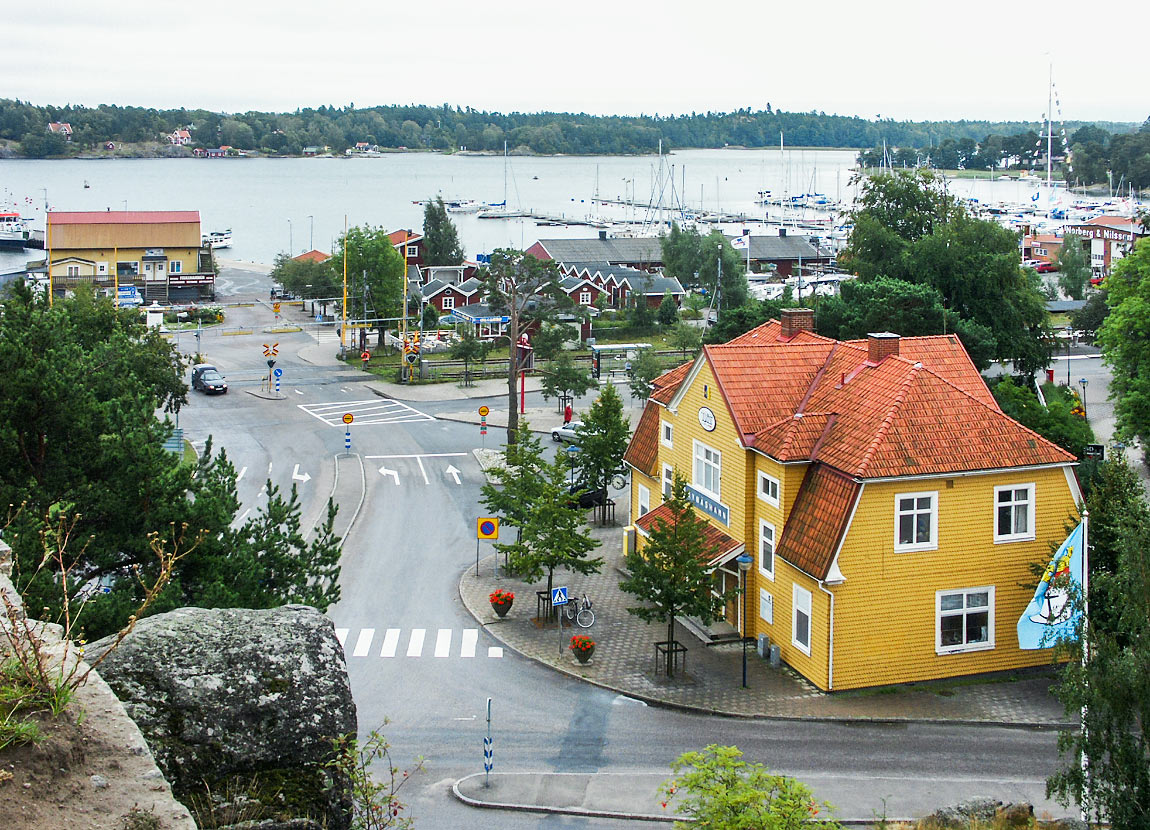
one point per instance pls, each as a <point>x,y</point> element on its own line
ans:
<point>644,369</point>
<point>1073,266</point>
<point>526,289</point>
<point>670,574</point>
<point>1125,341</point>
<point>562,378</point>
<point>374,266</point>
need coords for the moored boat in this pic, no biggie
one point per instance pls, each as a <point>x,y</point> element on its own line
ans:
<point>217,239</point>
<point>15,231</point>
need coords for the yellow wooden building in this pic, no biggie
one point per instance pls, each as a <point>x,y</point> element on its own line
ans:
<point>892,510</point>
<point>158,252</point>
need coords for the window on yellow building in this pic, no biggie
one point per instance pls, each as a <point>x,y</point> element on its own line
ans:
<point>1014,513</point>
<point>644,500</point>
<point>766,606</point>
<point>801,619</point>
<point>708,469</point>
<point>73,270</point>
<point>916,521</point>
<point>769,489</point>
<point>767,549</point>
<point>667,434</point>
<point>175,267</point>
<point>668,480</point>
<point>965,620</point>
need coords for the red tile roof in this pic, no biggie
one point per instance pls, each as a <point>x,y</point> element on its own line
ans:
<point>924,411</point>
<point>643,450</point>
<point>721,546</point>
<point>123,217</point>
<point>818,520</point>
<point>312,256</point>
<point>667,384</point>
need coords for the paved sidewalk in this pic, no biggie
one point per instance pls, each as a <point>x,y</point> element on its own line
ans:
<point>624,662</point>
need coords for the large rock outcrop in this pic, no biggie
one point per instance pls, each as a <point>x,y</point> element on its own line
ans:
<point>239,704</point>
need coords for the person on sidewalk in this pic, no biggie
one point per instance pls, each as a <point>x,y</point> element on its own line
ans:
<point>567,413</point>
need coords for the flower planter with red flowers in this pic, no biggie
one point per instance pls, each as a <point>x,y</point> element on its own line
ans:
<point>501,601</point>
<point>582,647</point>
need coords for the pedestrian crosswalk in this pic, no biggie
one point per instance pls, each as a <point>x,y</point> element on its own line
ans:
<point>374,411</point>
<point>324,334</point>
<point>441,643</point>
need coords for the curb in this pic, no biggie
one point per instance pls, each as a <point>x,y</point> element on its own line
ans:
<point>543,808</point>
<point>615,814</point>
<point>703,710</point>
<point>266,396</point>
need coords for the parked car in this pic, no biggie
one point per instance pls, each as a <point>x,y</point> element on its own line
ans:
<point>1046,267</point>
<point>207,379</point>
<point>566,433</point>
<point>1096,281</point>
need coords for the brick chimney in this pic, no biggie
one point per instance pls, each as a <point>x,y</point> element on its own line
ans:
<point>795,320</point>
<point>881,345</point>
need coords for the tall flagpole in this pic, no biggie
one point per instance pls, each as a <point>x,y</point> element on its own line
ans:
<point>343,326</point>
<point>48,243</point>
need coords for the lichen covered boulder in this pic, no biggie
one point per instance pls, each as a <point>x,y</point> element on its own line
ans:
<point>240,703</point>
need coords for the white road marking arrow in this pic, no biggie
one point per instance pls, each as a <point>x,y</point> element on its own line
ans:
<point>451,471</point>
<point>297,477</point>
<point>383,471</point>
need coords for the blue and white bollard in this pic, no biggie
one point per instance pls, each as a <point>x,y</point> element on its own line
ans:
<point>347,442</point>
<point>277,385</point>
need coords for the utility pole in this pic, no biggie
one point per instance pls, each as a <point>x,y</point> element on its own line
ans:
<point>311,233</point>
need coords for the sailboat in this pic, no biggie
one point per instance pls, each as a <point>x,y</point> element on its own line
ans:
<point>499,210</point>
<point>1047,198</point>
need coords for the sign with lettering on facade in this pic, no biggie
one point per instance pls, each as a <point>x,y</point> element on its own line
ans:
<point>710,506</point>
<point>707,419</point>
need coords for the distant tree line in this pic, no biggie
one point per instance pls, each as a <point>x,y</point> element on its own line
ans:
<point>450,128</point>
<point>1097,155</point>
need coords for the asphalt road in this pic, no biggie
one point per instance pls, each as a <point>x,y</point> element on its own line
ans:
<point>419,663</point>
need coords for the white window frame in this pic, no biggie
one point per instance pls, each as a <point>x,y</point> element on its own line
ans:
<point>667,434</point>
<point>175,266</point>
<point>1026,535</point>
<point>701,461</point>
<point>448,302</point>
<point>764,492</point>
<point>766,606</point>
<point>101,268</point>
<point>801,604</point>
<point>412,250</point>
<point>644,501</point>
<point>766,530</point>
<point>932,543</point>
<point>73,270</point>
<point>668,481</point>
<point>584,298</point>
<point>964,647</point>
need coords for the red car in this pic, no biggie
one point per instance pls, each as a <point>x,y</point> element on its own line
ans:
<point>1045,267</point>
<point>1096,281</point>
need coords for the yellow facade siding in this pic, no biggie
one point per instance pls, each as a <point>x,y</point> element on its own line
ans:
<point>189,259</point>
<point>703,391</point>
<point>781,632</point>
<point>642,479</point>
<point>885,625</point>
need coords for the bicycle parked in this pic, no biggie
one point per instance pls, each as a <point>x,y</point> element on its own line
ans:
<point>579,611</point>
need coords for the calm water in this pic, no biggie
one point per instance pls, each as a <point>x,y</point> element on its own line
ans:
<point>273,203</point>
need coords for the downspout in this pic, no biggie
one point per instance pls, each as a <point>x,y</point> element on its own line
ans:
<point>830,640</point>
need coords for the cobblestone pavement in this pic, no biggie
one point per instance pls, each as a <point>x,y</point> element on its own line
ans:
<point>624,661</point>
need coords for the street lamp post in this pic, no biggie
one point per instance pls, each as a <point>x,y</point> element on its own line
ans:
<point>1082,382</point>
<point>744,561</point>
<point>311,233</point>
<point>1069,337</point>
<point>291,243</point>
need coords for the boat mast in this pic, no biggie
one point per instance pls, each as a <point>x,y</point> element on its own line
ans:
<point>1049,124</point>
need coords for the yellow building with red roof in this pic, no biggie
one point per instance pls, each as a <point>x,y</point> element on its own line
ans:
<point>892,509</point>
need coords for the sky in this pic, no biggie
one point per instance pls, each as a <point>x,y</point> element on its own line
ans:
<point>896,59</point>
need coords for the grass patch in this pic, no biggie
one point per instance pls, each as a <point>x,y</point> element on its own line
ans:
<point>190,457</point>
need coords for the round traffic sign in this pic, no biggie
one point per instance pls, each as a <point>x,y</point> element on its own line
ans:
<point>348,418</point>
<point>278,372</point>
<point>483,411</point>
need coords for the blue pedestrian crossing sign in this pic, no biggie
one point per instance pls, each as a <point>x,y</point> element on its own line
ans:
<point>559,596</point>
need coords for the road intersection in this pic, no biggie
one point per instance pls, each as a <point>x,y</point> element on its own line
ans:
<point>419,661</point>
